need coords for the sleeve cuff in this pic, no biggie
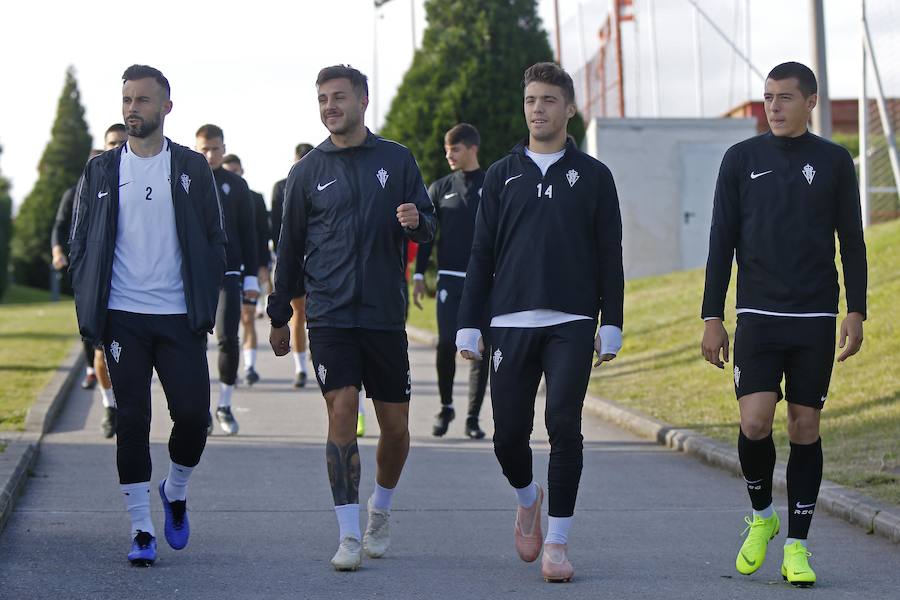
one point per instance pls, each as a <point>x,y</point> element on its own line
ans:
<point>467,339</point>
<point>610,339</point>
<point>419,277</point>
<point>251,283</point>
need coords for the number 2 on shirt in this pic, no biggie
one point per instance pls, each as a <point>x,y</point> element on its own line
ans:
<point>547,192</point>
<point>149,191</point>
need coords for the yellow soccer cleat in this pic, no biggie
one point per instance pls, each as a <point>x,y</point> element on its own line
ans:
<point>795,567</point>
<point>753,551</point>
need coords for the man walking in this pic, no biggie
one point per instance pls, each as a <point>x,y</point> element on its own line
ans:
<point>147,256</point>
<point>240,280</point>
<point>349,207</point>
<point>779,200</point>
<point>548,255</point>
<point>456,198</point>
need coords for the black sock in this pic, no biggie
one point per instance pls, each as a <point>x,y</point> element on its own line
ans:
<point>758,464</point>
<point>804,475</point>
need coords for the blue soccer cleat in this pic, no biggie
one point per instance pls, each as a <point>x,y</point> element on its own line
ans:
<point>143,550</point>
<point>177,529</point>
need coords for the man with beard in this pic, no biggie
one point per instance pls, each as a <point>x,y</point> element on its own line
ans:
<point>548,254</point>
<point>349,207</point>
<point>240,272</point>
<point>232,163</point>
<point>96,371</point>
<point>147,255</point>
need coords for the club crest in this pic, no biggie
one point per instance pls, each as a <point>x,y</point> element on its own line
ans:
<point>572,177</point>
<point>226,188</point>
<point>809,172</point>
<point>116,350</point>
<point>737,375</point>
<point>498,358</point>
<point>186,183</point>
<point>322,373</point>
<point>382,176</point>
<point>442,295</point>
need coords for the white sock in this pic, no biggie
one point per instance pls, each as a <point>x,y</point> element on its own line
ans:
<point>300,362</point>
<point>109,399</point>
<point>225,392</point>
<point>249,358</point>
<point>348,521</point>
<point>765,513</point>
<point>527,495</point>
<point>177,481</point>
<point>361,405</point>
<point>558,530</point>
<point>137,503</point>
<point>90,371</point>
<point>790,541</point>
<point>381,498</point>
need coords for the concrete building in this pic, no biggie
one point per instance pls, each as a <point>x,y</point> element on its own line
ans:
<point>665,172</point>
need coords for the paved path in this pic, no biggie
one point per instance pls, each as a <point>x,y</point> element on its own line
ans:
<point>650,523</point>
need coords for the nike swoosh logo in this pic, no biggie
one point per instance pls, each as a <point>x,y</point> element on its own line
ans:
<point>801,506</point>
<point>513,177</point>
<point>321,187</point>
<point>755,175</point>
<point>752,482</point>
<point>752,563</point>
<point>449,195</point>
<point>408,390</point>
<point>101,194</point>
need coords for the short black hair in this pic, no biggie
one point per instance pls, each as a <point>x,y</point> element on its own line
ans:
<point>302,150</point>
<point>359,81</point>
<point>115,128</point>
<point>464,134</point>
<point>135,72</point>
<point>210,131</point>
<point>553,74</point>
<point>231,158</point>
<point>806,79</point>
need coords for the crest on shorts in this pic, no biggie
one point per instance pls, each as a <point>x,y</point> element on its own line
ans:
<point>737,375</point>
<point>382,176</point>
<point>116,350</point>
<point>186,183</point>
<point>322,373</point>
<point>572,177</point>
<point>498,358</point>
<point>226,188</point>
<point>408,383</point>
<point>442,295</point>
<point>809,172</point>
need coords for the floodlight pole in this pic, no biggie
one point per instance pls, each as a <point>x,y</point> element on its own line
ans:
<point>863,129</point>
<point>821,117</point>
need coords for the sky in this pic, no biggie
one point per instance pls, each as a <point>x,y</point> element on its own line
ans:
<point>250,67</point>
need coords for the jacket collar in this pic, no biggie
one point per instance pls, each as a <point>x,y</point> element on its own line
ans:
<point>523,145</point>
<point>328,146</point>
<point>790,142</point>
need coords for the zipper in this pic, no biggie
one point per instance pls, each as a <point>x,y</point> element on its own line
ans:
<point>182,240</point>
<point>347,159</point>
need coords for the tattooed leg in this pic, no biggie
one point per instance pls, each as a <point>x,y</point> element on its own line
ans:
<point>343,471</point>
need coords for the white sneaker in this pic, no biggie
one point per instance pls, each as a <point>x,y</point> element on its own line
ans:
<point>378,531</point>
<point>348,555</point>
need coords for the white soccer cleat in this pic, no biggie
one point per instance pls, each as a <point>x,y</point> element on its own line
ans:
<point>348,556</point>
<point>377,538</point>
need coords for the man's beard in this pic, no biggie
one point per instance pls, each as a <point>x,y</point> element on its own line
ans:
<point>350,123</point>
<point>142,128</point>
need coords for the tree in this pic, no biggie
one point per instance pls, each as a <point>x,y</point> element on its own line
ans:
<point>60,167</point>
<point>5,231</point>
<point>469,69</point>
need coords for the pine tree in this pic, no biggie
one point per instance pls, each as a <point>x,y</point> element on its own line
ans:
<point>60,167</point>
<point>5,231</point>
<point>469,69</point>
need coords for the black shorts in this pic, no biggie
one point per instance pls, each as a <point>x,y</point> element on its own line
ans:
<point>373,358</point>
<point>798,349</point>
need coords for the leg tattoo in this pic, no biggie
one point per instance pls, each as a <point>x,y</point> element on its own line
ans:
<point>343,472</point>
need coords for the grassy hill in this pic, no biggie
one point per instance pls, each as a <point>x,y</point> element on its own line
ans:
<point>662,373</point>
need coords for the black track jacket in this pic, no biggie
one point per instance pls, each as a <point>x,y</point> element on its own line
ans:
<point>341,243</point>
<point>551,242</point>
<point>240,222</point>
<point>201,235</point>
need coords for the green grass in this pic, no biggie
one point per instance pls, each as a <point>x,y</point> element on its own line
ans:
<point>426,318</point>
<point>35,336</point>
<point>661,372</point>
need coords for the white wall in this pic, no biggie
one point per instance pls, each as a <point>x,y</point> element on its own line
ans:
<point>664,168</point>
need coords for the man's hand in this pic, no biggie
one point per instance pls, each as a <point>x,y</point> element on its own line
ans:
<point>601,358</point>
<point>408,215</point>
<point>851,335</point>
<point>467,341</point>
<point>60,261</point>
<point>280,339</point>
<point>715,341</point>
<point>418,292</point>
<point>251,294</point>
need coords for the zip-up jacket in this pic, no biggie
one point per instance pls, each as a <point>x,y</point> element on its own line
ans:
<point>62,225</point>
<point>240,223</point>
<point>277,210</point>
<point>778,203</point>
<point>456,198</point>
<point>201,236</point>
<point>341,243</point>
<point>262,230</point>
<point>546,242</point>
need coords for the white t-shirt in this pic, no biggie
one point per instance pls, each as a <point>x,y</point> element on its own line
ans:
<point>146,274</point>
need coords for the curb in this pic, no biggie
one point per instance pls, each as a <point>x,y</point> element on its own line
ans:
<point>840,501</point>
<point>22,449</point>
